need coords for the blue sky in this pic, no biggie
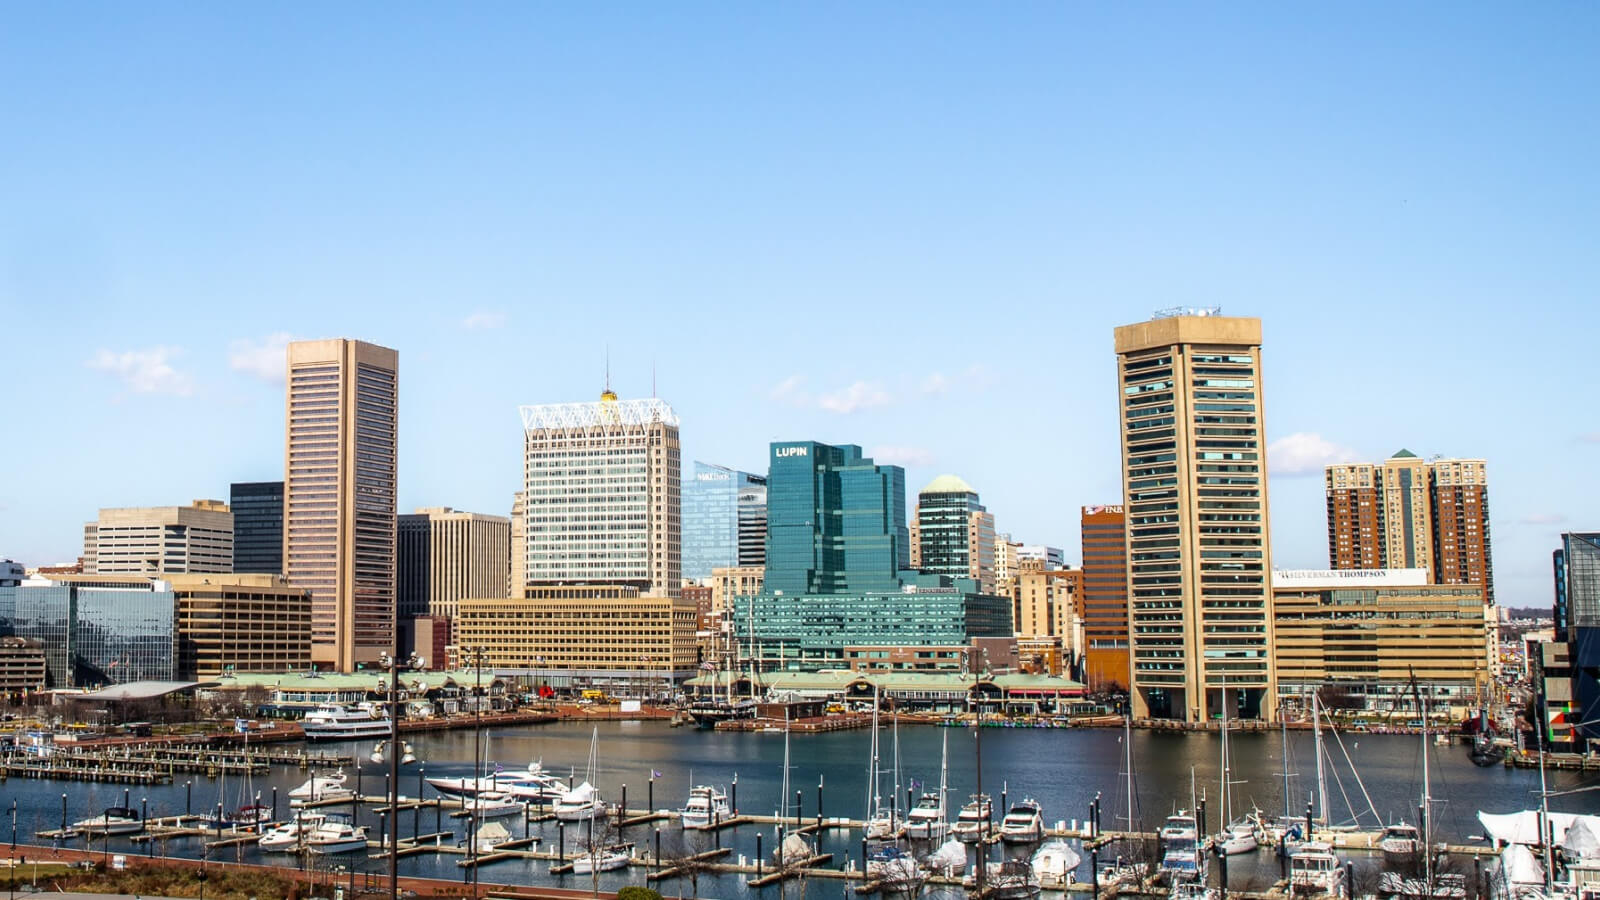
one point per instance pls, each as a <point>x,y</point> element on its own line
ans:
<point>907,226</point>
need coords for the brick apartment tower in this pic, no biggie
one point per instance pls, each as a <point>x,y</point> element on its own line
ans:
<point>339,496</point>
<point>1411,513</point>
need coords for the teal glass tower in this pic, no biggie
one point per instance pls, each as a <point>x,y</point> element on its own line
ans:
<point>836,522</point>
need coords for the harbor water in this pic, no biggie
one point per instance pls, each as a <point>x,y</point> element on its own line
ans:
<point>1063,769</point>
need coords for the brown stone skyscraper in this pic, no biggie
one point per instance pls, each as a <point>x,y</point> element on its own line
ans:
<point>339,495</point>
<point>1194,472</point>
<point>1411,513</point>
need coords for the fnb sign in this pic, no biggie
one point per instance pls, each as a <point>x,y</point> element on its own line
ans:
<point>792,451</point>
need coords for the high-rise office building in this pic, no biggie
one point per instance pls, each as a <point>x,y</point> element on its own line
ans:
<point>952,534</point>
<point>603,483</point>
<point>339,495</point>
<point>1411,513</point>
<point>257,526</point>
<point>445,555</point>
<point>99,629</point>
<point>152,540</point>
<point>1005,562</point>
<point>1576,719</point>
<point>1195,478</point>
<point>836,522</point>
<point>1105,595</point>
<point>837,573</point>
<point>724,520</point>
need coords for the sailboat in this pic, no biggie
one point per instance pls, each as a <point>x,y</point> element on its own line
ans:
<point>1121,871</point>
<point>883,823</point>
<point>583,802</point>
<point>1419,842</point>
<point>928,820</point>
<point>1238,835</point>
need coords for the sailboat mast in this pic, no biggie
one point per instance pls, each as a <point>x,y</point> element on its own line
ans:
<point>944,777</point>
<point>1283,721</point>
<point>1127,759</point>
<point>1424,811</point>
<point>1227,775</point>
<point>1322,775</point>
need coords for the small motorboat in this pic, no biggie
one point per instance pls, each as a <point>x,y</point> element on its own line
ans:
<point>1314,869</point>
<point>972,823</point>
<point>115,820</point>
<point>290,836</point>
<point>1009,880</point>
<point>1121,872</point>
<point>706,805</point>
<point>1024,823</point>
<point>603,859</point>
<point>493,805</point>
<point>336,837</point>
<point>896,869</point>
<point>1401,844</point>
<point>950,859</point>
<point>1054,865</point>
<point>1239,838</point>
<point>795,850</point>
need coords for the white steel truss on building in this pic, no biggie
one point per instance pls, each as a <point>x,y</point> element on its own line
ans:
<point>625,413</point>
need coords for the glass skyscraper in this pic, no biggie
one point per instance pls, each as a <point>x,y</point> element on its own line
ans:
<point>257,526</point>
<point>1578,589</point>
<point>836,523</point>
<point>838,568</point>
<point>724,520</point>
<point>100,630</point>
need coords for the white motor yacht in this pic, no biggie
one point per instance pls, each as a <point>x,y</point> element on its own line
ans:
<point>1314,869</point>
<point>1023,824</point>
<point>972,822</point>
<point>321,787</point>
<point>1401,844</point>
<point>706,805</point>
<point>926,820</point>
<point>493,805</point>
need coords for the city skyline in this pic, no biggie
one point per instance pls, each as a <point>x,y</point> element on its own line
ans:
<point>1407,222</point>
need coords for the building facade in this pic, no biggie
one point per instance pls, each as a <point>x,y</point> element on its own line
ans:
<point>612,630</point>
<point>724,520</point>
<point>1105,596</point>
<point>1194,475</point>
<point>445,555</point>
<point>836,522</point>
<point>952,534</point>
<point>341,454</point>
<point>1052,557</point>
<point>1046,603</point>
<point>22,667</point>
<point>153,540</point>
<point>257,526</point>
<point>1573,714</point>
<point>518,578</point>
<point>99,629</point>
<point>240,623</point>
<point>603,483</point>
<point>1364,635</point>
<point>1407,512</point>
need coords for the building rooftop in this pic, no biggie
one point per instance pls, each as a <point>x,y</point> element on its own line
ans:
<point>948,484</point>
<point>1404,454</point>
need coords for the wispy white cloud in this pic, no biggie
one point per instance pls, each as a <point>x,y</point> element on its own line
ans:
<point>1305,453</point>
<point>935,383</point>
<point>1543,519</point>
<point>858,396</point>
<point>264,358</point>
<point>145,371</point>
<point>791,391</point>
<point>1592,437</point>
<point>902,456</point>
<point>483,319</point>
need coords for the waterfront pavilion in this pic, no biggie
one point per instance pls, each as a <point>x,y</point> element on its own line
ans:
<point>935,692</point>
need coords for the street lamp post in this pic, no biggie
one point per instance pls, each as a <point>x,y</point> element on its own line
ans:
<point>395,663</point>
